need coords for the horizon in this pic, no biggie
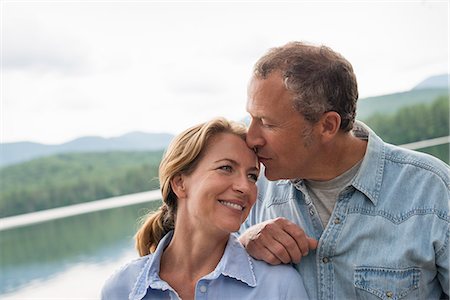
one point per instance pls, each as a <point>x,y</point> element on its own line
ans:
<point>70,70</point>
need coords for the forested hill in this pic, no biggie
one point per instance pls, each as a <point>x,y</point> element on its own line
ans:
<point>66,179</point>
<point>424,92</point>
<point>390,104</point>
<point>415,123</point>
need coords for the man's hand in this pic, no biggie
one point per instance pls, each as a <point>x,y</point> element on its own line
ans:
<point>277,241</point>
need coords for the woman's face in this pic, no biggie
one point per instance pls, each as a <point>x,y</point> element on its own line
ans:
<point>221,190</point>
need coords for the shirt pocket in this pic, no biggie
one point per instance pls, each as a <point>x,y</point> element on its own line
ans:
<point>386,283</point>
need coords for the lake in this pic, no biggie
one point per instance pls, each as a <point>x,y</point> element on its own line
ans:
<point>68,258</point>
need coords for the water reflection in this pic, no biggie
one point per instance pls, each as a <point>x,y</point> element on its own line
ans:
<point>43,251</point>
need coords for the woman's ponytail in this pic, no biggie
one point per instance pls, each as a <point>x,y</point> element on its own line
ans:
<point>154,228</point>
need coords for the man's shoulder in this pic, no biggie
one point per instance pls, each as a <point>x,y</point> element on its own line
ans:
<point>422,163</point>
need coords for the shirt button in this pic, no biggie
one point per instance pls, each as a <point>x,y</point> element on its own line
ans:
<point>325,260</point>
<point>337,221</point>
<point>203,289</point>
<point>389,294</point>
<point>311,212</point>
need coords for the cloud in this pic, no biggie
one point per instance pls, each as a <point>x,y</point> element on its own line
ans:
<point>195,87</point>
<point>28,47</point>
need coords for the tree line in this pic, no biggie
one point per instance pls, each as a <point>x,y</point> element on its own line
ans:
<point>67,179</point>
<point>416,123</point>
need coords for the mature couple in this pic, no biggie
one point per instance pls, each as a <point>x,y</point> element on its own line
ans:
<point>338,214</point>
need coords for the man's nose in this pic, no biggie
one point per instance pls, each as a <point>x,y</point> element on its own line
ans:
<point>254,139</point>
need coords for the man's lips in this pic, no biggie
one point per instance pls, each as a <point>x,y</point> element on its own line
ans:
<point>262,158</point>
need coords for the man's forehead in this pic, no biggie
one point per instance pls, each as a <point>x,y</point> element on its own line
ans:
<point>254,108</point>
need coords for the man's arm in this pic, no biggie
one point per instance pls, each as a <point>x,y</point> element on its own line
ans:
<point>277,241</point>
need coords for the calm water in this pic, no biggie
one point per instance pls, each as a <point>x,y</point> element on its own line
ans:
<point>68,258</point>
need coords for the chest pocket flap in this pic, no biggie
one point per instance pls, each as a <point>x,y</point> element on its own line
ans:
<point>386,283</point>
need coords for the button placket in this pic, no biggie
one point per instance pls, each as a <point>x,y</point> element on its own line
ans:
<point>327,250</point>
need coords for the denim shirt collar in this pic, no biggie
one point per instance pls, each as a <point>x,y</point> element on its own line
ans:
<point>235,263</point>
<point>370,175</point>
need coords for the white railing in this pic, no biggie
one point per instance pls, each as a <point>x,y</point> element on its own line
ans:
<point>77,209</point>
<point>87,207</point>
<point>427,143</point>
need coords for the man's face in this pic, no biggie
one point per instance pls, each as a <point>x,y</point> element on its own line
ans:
<point>284,140</point>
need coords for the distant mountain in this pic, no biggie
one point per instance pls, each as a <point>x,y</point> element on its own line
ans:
<point>391,103</point>
<point>11,153</point>
<point>438,81</point>
<point>425,92</point>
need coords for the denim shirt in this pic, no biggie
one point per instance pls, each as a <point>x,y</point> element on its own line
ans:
<point>388,235</point>
<point>237,276</point>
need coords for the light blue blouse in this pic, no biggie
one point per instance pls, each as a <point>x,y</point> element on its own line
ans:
<point>237,276</point>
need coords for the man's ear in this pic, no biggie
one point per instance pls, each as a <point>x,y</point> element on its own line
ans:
<point>178,186</point>
<point>330,124</point>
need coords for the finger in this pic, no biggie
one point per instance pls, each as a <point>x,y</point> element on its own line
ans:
<point>299,237</point>
<point>290,246</point>
<point>313,243</point>
<point>262,253</point>
<point>277,248</point>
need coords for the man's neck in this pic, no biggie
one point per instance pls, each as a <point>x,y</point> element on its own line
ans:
<point>340,156</point>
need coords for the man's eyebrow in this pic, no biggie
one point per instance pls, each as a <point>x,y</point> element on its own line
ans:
<point>263,118</point>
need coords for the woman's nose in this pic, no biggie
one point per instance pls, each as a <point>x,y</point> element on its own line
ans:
<point>242,185</point>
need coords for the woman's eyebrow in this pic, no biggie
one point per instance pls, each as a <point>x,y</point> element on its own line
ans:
<point>233,162</point>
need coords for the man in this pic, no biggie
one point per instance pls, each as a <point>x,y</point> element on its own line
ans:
<point>366,219</point>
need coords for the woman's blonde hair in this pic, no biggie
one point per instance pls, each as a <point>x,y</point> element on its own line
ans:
<point>181,157</point>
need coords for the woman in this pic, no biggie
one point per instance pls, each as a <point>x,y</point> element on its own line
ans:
<point>207,179</point>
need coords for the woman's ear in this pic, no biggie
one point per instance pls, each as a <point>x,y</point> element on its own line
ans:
<point>177,184</point>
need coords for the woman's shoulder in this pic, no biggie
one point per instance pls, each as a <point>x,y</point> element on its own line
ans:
<point>283,279</point>
<point>261,267</point>
<point>123,280</point>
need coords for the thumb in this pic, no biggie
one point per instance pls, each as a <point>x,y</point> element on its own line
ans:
<point>312,243</point>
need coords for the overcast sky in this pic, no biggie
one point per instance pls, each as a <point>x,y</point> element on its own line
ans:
<point>105,68</point>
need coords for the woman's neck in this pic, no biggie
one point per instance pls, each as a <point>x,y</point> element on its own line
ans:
<point>193,252</point>
<point>190,255</point>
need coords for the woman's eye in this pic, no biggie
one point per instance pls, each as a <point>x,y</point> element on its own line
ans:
<point>253,177</point>
<point>226,168</point>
